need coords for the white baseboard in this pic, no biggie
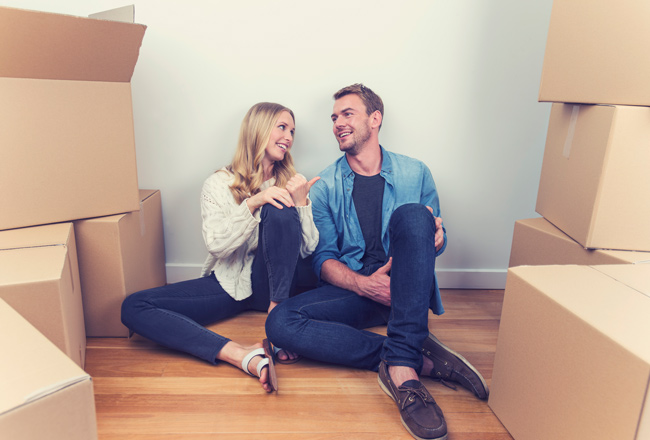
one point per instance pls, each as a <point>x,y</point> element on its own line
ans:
<point>447,278</point>
<point>182,272</point>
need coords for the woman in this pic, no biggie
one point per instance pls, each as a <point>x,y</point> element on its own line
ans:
<point>257,221</point>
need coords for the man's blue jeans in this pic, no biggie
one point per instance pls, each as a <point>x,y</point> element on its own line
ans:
<point>175,315</point>
<point>327,323</point>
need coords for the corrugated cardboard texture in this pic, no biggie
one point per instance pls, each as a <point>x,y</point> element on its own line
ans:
<point>536,242</point>
<point>66,118</point>
<point>40,279</point>
<point>597,52</point>
<point>572,358</point>
<point>119,255</point>
<point>599,195</point>
<point>44,394</point>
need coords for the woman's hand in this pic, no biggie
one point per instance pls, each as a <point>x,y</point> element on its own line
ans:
<point>299,188</point>
<point>272,195</point>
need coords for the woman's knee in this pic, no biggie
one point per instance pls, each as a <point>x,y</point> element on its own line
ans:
<point>132,305</point>
<point>285,216</point>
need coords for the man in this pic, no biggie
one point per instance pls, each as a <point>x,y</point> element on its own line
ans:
<point>380,229</point>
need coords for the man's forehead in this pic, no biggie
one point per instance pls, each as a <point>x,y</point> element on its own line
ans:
<point>349,102</point>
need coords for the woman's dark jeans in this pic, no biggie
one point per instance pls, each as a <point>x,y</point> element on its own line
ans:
<point>174,315</point>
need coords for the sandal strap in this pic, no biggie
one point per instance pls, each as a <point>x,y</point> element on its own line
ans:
<point>247,360</point>
<point>263,363</point>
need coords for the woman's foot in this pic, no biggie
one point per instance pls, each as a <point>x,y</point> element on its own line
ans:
<point>234,354</point>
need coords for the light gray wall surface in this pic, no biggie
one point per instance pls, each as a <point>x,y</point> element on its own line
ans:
<point>459,82</point>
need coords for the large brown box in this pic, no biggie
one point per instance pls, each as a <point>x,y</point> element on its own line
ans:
<point>597,53</point>
<point>39,278</point>
<point>595,184</point>
<point>536,242</point>
<point>119,255</point>
<point>573,358</point>
<point>44,394</point>
<point>66,117</point>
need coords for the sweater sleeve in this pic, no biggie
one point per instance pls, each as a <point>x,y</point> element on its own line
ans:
<point>226,225</point>
<point>309,238</point>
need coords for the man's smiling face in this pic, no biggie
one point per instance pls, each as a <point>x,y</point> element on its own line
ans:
<point>351,123</point>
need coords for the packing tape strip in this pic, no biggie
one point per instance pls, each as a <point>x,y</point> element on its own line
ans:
<point>572,130</point>
<point>142,222</point>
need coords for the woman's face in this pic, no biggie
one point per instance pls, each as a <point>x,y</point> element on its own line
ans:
<point>281,138</point>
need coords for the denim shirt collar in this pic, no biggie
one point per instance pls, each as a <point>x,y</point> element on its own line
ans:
<point>386,169</point>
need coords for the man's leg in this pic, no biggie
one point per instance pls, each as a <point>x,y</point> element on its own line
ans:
<point>326,324</point>
<point>412,231</point>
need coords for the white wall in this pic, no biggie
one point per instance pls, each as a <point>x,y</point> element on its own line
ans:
<point>459,82</point>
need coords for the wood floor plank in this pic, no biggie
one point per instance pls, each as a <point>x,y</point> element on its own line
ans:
<point>144,391</point>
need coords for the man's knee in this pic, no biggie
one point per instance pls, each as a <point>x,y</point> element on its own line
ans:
<point>277,324</point>
<point>413,217</point>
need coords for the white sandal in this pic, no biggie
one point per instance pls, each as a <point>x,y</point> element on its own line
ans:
<point>249,357</point>
<point>260,366</point>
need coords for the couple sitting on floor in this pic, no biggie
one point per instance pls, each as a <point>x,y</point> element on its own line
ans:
<point>372,222</point>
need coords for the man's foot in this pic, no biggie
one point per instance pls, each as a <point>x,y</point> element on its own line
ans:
<point>449,366</point>
<point>420,414</point>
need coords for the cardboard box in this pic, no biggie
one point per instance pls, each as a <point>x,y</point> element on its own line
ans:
<point>573,358</point>
<point>66,117</point>
<point>536,242</point>
<point>595,184</point>
<point>119,255</point>
<point>44,394</point>
<point>597,53</point>
<point>39,278</point>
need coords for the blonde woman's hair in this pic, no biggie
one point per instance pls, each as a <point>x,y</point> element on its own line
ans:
<point>254,136</point>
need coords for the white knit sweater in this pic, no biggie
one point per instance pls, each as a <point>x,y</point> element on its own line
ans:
<point>230,232</point>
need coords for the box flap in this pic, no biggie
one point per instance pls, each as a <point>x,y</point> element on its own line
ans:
<point>38,236</point>
<point>32,366</point>
<point>615,308</point>
<point>635,277</point>
<point>146,193</point>
<point>42,45</point>
<point>124,14</point>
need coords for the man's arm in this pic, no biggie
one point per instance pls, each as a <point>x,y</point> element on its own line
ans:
<point>375,287</point>
<point>429,198</point>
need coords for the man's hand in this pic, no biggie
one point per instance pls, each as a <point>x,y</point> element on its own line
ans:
<point>440,234</point>
<point>377,286</point>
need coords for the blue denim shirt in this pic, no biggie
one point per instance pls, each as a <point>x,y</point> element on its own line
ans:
<point>407,181</point>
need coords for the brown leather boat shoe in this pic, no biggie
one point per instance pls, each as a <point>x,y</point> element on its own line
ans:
<point>420,414</point>
<point>449,366</point>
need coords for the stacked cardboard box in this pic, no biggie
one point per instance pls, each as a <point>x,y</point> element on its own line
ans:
<point>73,216</point>
<point>45,395</point>
<point>572,356</point>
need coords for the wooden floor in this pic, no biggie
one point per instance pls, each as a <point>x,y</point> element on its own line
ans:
<point>146,392</point>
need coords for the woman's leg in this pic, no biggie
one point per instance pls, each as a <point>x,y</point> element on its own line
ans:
<point>277,254</point>
<point>175,315</point>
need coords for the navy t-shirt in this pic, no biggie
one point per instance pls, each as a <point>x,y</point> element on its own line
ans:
<point>368,195</point>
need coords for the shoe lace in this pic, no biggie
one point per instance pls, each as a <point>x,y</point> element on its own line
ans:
<point>412,393</point>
